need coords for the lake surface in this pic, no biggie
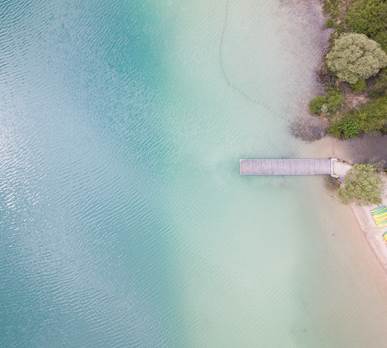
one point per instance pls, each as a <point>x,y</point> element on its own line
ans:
<point>123,219</point>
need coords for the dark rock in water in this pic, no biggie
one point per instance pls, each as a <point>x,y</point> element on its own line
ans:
<point>309,128</point>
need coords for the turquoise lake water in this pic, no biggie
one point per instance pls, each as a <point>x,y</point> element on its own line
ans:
<point>123,219</point>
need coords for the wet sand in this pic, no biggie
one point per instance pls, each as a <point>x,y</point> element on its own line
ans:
<point>367,148</point>
<point>371,231</point>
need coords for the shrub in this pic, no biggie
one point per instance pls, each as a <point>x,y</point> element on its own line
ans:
<point>355,57</point>
<point>316,104</point>
<point>331,8</point>
<point>368,118</point>
<point>379,87</point>
<point>345,128</point>
<point>335,100</point>
<point>362,185</point>
<point>369,17</point>
<point>330,23</point>
<point>359,86</point>
<point>327,104</point>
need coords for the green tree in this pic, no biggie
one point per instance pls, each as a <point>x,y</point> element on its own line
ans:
<point>362,185</point>
<point>369,17</point>
<point>355,57</point>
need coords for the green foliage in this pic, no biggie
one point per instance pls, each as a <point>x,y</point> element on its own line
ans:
<point>362,185</point>
<point>368,118</point>
<point>335,100</point>
<point>345,128</point>
<point>316,104</point>
<point>369,17</point>
<point>359,86</point>
<point>331,8</point>
<point>355,57</point>
<point>327,104</point>
<point>330,23</point>
<point>379,87</point>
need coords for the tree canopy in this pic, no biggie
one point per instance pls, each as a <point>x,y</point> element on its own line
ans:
<point>355,57</point>
<point>362,185</point>
<point>368,17</point>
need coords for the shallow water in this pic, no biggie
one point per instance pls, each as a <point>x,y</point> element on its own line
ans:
<point>124,221</point>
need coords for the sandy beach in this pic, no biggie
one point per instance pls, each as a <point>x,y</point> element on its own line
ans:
<point>372,233</point>
<point>370,230</point>
<point>364,149</point>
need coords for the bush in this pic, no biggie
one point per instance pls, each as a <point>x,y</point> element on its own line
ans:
<point>345,128</point>
<point>369,17</point>
<point>355,57</point>
<point>335,100</point>
<point>316,104</point>
<point>330,23</point>
<point>331,8</point>
<point>359,86</point>
<point>368,118</point>
<point>327,104</point>
<point>362,185</point>
<point>379,87</point>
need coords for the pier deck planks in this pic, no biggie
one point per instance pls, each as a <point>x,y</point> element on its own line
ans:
<point>294,166</point>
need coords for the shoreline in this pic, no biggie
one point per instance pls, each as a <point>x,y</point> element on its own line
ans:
<point>371,232</point>
<point>355,151</point>
<point>366,148</point>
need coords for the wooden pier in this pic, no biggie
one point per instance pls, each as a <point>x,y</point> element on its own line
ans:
<point>289,166</point>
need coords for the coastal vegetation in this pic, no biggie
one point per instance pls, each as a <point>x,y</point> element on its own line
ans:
<point>327,104</point>
<point>368,118</point>
<point>361,185</point>
<point>354,72</point>
<point>379,86</point>
<point>368,17</point>
<point>355,57</point>
<point>354,76</point>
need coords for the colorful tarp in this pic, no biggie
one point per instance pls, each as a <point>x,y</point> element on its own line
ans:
<point>379,215</point>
